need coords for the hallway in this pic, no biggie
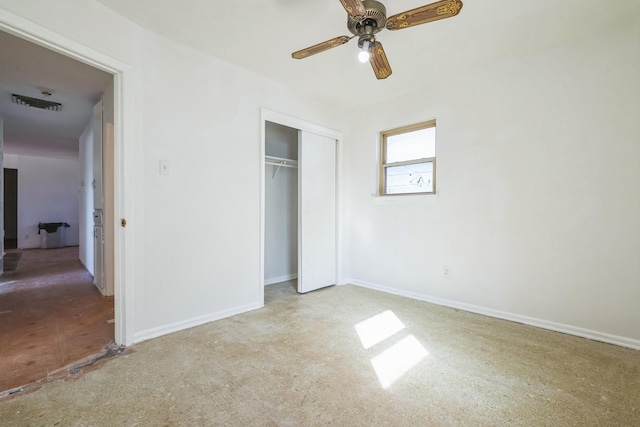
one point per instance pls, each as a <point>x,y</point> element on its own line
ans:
<point>51,315</point>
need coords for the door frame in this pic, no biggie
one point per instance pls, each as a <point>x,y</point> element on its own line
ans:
<point>123,169</point>
<point>267,115</point>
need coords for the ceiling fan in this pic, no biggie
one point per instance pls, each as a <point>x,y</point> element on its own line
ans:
<point>366,18</point>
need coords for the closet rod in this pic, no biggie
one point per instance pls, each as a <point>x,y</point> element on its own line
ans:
<point>279,162</point>
<point>282,164</point>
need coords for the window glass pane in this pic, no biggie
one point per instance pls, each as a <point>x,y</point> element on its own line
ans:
<point>416,178</point>
<point>414,145</point>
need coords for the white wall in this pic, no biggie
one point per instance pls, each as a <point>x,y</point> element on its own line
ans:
<point>537,169</point>
<point>281,206</point>
<point>538,207</point>
<point>48,191</point>
<point>196,231</point>
<point>86,198</point>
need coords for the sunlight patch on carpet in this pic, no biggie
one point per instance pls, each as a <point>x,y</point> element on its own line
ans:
<point>398,359</point>
<point>378,328</point>
<point>394,362</point>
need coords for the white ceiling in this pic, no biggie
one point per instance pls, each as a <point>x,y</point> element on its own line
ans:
<point>260,35</point>
<point>26,68</point>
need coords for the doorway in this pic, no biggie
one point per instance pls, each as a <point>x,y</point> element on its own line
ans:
<point>281,204</point>
<point>122,267</point>
<point>10,208</point>
<point>47,286</point>
<point>299,221</point>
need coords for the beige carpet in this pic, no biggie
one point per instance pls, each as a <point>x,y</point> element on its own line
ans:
<point>302,361</point>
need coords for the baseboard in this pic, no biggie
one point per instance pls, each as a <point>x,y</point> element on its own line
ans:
<point>190,323</point>
<point>531,321</point>
<point>280,279</point>
<point>37,246</point>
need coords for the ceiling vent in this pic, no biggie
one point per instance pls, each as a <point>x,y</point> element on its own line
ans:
<point>36,103</point>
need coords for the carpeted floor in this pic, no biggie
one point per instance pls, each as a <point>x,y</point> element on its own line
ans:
<point>348,356</point>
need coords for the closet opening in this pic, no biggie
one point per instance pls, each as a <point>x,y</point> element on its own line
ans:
<point>299,206</point>
<point>281,205</point>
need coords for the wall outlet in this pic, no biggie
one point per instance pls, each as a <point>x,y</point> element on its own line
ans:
<point>446,271</point>
<point>26,237</point>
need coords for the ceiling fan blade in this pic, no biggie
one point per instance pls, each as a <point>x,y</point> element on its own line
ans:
<point>354,8</point>
<point>379,61</point>
<point>421,15</point>
<point>320,47</point>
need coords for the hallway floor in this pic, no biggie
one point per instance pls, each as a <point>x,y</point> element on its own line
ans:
<point>51,315</point>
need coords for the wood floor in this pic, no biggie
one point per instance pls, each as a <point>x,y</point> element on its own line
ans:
<point>51,315</point>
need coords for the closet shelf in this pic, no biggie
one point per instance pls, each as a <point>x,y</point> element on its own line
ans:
<point>279,162</point>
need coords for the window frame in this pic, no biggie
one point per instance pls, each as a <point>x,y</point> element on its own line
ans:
<point>383,165</point>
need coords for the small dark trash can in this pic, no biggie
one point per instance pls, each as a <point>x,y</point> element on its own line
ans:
<point>52,234</point>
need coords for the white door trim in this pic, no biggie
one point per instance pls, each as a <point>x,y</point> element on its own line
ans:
<point>123,267</point>
<point>267,115</point>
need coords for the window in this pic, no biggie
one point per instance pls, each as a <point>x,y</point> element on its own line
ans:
<point>408,160</point>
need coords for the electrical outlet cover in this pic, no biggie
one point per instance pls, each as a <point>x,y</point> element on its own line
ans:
<point>446,271</point>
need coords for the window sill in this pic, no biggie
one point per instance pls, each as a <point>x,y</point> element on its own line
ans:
<point>404,199</point>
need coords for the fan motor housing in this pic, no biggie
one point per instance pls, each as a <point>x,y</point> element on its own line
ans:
<point>375,18</point>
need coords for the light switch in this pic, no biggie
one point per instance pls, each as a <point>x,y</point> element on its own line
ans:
<point>164,167</point>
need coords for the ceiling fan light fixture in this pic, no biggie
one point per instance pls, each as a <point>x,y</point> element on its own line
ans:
<point>366,18</point>
<point>364,55</point>
<point>41,104</point>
